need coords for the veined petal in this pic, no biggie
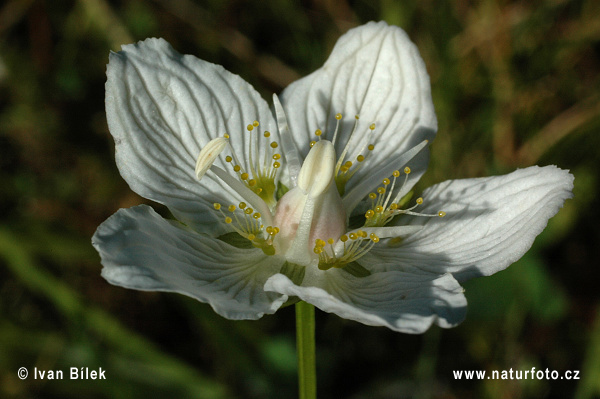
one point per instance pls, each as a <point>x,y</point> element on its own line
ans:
<point>489,224</point>
<point>143,251</point>
<point>374,71</point>
<point>290,152</point>
<point>404,302</point>
<point>162,109</point>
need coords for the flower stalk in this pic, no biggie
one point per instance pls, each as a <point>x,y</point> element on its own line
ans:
<point>305,347</point>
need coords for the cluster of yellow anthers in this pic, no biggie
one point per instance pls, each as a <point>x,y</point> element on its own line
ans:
<point>249,226</point>
<point>261,178</point>
<point>383,208</point>
<point>356,244</point>
<point>344,168</point>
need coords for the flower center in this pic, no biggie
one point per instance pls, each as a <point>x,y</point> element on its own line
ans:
<point>311,215</point>
<point>313,208</point>
<point>341,251</point>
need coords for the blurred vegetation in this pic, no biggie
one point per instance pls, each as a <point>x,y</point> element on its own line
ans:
<point>515,83</point>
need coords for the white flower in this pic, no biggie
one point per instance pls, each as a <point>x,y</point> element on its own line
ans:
<point>307,201</point>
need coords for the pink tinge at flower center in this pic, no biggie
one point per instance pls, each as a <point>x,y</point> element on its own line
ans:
<point>313,209</point>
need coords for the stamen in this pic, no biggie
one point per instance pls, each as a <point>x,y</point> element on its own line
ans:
<point>318,133</point>
<point>362,188</point>
<point>353,247</point>
<point>260,178</point>
<point>380,213</point>
<point>344,168</point>
<point>248,224</point>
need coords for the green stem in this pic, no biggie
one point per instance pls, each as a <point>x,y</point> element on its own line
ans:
<point>305,346</point>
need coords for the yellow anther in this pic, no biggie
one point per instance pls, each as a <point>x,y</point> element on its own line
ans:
<point>348,164</point>
<point>369,214</point>
<point>317,250</point>
<point>344,238</point>
<point>251,237</point>
<point>231,208</point>
<point>374,237</point>
<point>276,165</point>
<point>378,209</point>
<point>275,230</point>
<point>244,176</point>
<point>269,229</point>
<point>372,127</point>
<point>255,123</point>
<point>242,205</point>
<point>228,220</point>
<point>419,201</point>
<point>393,207</point>
<point>407,170</point>
<point>248,211</point>
<point>312,143</point>
<point>386,181</point>
<point>360,158</point>
<point>276,156</point>
<point>250,128</point>
<point>274,144</point>
<point>396,173</point>
<point>338,116</point>
<point>228,158</point>
<point>252,182</point>
<point>371,147</point>
<point>237,168</point>
<point>381,190</point>
<point>372,196</point>
<point>330,241</point>
<point>362,233</point>
<point>226,135</point>
<point>441,214</point>
<point>344,169</point>
<point>318,132</point>
<point>256,216</point>
<point>353,236</point>
<point>267,134</point>
<point>356,117</point>
<point>217,206</point>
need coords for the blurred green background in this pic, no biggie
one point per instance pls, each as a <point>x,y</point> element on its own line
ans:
<point>515,83</point>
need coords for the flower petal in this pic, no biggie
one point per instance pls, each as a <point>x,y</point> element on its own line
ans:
<point>143,251</point>
<point>162,109</point>
<point>404,302</point>
<point>489,224</point>
<point>374,71</point>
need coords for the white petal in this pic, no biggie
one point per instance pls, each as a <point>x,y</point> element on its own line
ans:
<point>405,302</point>
<point>143,251</point>
<point>374,71</point>
<point>162,109</point>
<point>489,224</point>
<point>290,152</point>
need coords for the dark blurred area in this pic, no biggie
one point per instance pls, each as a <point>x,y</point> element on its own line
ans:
<point>515,83</point>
